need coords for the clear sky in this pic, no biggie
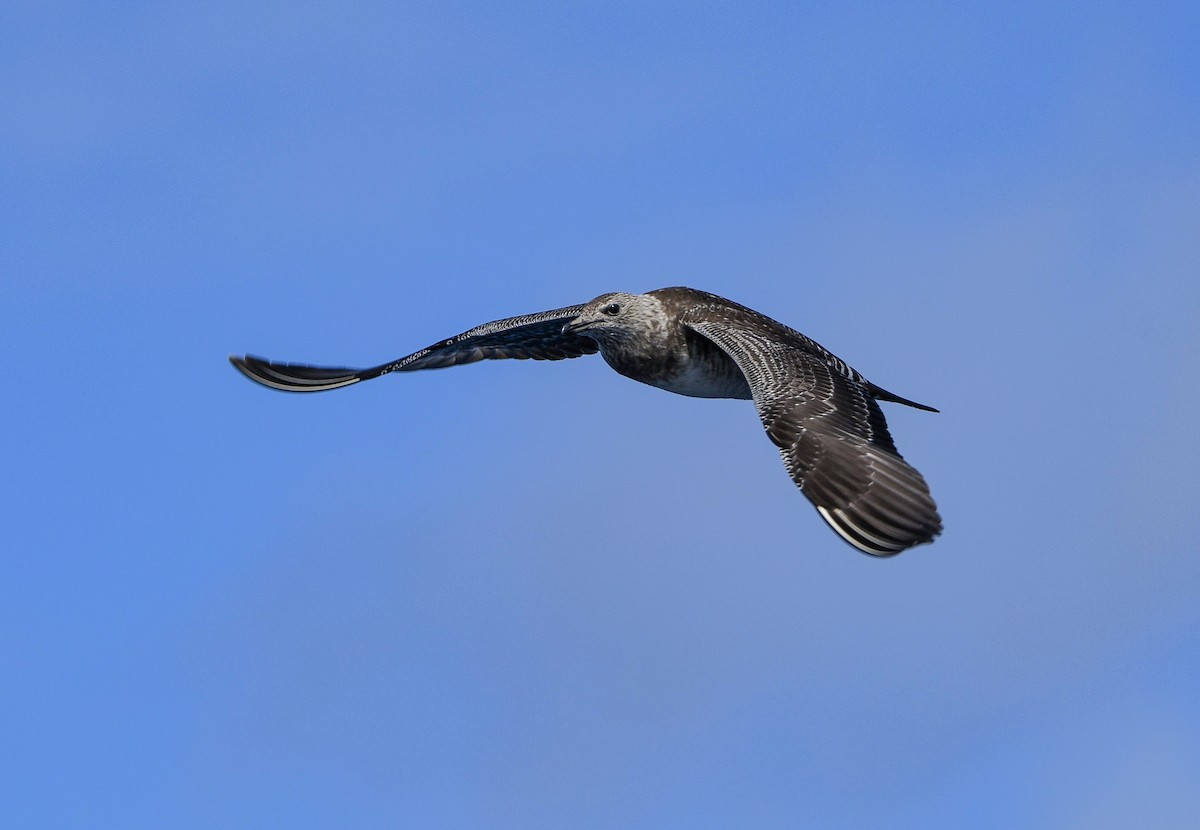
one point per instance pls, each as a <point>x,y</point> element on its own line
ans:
<point>534,595</point>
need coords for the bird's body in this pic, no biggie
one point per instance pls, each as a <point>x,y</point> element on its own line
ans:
<point>822,414</point>
<point>667,353</point>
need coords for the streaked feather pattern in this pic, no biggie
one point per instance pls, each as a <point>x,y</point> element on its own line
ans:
<point>822,414</point>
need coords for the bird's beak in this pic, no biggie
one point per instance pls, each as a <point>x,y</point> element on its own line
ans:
<point>574,326</point>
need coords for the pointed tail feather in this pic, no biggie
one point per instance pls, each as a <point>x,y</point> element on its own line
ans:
<point>882,394</point>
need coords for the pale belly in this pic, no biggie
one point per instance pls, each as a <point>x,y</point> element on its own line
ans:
<point>708,375</point>
<point>706,381</point>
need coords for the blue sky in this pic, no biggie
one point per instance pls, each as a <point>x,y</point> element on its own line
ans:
<point>539,595</point>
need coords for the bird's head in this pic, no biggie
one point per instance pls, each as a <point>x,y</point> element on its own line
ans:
<point>617,319</point>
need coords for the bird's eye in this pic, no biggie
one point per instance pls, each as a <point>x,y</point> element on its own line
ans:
<point>612,309</point>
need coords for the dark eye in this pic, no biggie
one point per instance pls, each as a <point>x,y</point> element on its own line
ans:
<point>612,309</point>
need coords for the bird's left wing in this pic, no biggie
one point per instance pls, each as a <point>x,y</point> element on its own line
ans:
<point>528,337</point>
<point>831,434</point>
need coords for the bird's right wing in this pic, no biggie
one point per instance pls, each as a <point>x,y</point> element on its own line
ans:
<point>832,436</point>
<point>529,337</point>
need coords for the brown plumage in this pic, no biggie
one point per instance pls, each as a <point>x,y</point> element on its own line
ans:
<point>823,415</point>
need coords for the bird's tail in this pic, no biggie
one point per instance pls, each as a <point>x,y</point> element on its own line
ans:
<point>882,394</point>
<point>297,377</point>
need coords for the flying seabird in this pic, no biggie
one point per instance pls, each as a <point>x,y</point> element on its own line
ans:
<point>822,414</point>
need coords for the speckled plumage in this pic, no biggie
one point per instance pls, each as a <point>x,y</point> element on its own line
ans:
<point>822,414</point>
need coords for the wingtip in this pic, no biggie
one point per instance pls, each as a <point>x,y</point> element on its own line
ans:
<point>876,541</point>
<point>293,377</point>
<point>239,362</point>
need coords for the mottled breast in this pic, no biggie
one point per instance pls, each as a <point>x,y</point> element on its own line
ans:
<point>691,365</point>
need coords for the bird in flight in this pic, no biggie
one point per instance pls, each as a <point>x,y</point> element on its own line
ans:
<point>822,414</point>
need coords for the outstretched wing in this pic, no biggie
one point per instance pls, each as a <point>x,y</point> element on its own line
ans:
<point>529,337</point>
<point>832,436</point>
